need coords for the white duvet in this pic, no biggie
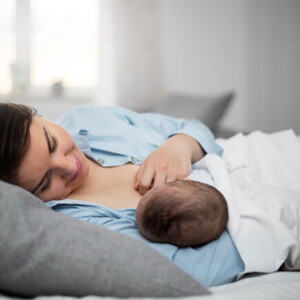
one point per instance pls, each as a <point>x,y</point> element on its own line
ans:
<point>259,176</point>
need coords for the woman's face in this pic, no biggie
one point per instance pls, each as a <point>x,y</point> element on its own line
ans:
<point>53,165</point>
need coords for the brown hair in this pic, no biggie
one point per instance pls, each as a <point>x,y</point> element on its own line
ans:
<point>15,120</point>
<point>183,213</point>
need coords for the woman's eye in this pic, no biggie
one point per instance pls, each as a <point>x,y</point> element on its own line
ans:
<point>47,185</point>
<point>54,144</point>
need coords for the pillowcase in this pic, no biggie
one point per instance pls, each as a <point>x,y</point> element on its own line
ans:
<point>208,110</point>
<point>47,253</point>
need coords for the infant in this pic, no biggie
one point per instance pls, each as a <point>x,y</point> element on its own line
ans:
<point>183,213</point>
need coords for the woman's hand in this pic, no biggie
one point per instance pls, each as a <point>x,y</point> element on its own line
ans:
<point>171,161</point>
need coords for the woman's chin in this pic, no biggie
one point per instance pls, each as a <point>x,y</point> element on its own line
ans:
<point>85,167</point>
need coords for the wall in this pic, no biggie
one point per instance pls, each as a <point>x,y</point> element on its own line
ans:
<point>130,66</point>
<point>252,47</point>
<point>273,65</point>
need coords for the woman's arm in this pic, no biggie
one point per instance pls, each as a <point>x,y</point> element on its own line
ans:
<point>173,159</point>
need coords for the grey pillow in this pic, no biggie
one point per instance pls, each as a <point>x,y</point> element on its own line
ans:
<point>47,253</point>
<point>207,109</point>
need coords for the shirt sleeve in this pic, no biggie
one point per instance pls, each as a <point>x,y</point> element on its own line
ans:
<point>166,126</point>
<point>169,126</point>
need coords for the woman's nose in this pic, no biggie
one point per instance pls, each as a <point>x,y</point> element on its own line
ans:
<point>64,166</point>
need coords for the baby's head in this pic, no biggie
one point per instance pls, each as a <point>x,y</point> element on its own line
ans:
<point>183,213</point>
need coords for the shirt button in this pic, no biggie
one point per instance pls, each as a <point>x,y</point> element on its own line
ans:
<point>134,160</point>
<point>100,161</point>
<point>83,132</point>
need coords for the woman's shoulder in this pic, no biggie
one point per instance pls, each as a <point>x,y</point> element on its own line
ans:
<point>87,113</point>
<point>94,108</point>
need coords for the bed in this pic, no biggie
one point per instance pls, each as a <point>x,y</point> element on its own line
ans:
<point>275,286</point>
<point>50,254</point>
<point>280,285</point>
<point>46,255</point>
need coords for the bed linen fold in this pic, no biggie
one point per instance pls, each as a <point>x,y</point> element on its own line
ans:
<point>259,177</point>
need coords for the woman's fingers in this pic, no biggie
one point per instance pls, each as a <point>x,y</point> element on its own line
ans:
<point>144,179</point>
<point>149,177</point>
<point>171,161</point>
<point>171,177</point>
<point>160,178</point>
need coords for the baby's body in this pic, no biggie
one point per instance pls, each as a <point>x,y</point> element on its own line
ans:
<point>201,174</point>
<point>188,212</point>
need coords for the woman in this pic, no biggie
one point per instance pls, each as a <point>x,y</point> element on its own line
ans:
<point>104,159</point>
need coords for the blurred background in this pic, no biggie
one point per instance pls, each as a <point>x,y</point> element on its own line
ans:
<point>234,64</point>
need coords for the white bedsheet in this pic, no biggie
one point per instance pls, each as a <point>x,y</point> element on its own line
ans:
<point>260,179</point>
<point>274,286</point>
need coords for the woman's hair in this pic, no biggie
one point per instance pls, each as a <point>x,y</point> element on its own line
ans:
<point>15,120</point>
<point>183,213</point>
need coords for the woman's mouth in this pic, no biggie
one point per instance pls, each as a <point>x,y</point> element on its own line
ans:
<point>79,168</point>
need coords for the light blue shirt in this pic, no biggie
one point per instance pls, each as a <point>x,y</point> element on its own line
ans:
<point>114,136</point>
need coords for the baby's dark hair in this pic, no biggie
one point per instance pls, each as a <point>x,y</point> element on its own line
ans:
<point>183,213</point>
<point>15,120</point>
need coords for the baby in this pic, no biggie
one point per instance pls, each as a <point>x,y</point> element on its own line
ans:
<point>183,213</point>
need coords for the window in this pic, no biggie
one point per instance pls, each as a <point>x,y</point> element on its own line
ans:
<point>7,43</point>
<point>49,43</point>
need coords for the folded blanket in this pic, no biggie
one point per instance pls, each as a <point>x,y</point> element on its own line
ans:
<point>259,175</point>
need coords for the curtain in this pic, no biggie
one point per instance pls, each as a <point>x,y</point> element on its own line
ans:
<point>130,66</point>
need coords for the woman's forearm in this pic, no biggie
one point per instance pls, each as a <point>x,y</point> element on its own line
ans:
<point>192,147</point>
